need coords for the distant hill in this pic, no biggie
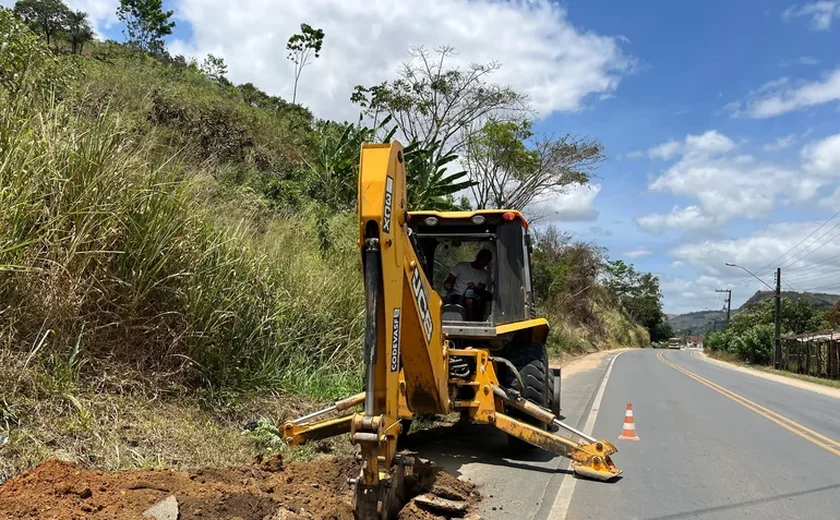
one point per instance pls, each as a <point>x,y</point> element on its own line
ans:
<point>701,322</point>
<point>697,323</point>
<point>819,300</point>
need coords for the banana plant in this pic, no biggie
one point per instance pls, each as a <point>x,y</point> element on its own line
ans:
<point>430,186</point>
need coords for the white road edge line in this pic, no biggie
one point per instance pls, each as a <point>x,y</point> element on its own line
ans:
<point>560,507</point>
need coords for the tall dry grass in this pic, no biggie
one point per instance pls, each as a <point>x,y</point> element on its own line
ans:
<point>107,252</point>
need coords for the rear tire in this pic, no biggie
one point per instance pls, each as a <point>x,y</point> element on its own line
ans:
<point>531,360</point>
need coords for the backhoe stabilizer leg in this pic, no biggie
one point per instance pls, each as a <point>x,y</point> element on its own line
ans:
<point>588,460</point>
<point>301,430</point>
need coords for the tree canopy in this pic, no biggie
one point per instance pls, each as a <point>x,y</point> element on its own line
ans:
<point>304,47</point>
<point>146,23</point>
<point>47,17</point>
<point>79,31</point>
<point>512,167</point>
<point>638,293</point>
<point>434,102</point>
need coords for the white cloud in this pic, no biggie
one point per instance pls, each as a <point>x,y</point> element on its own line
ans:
<point>102,13</point>
<point>665,151</point>
<point>677,263</point>
<point>542,53</point>
<point>782,96</point>
<point>689,219</point>
<point>808,60</point>
<point>811,265</point>
<point>728,186</point>
<point>598,230</point>
<point>821,13</point>
<point>682,295</point>
<point>823,157</point>
<point>710,142</point>
<point>573,205</point>
<point>781,143</point>
<point>637,252</point>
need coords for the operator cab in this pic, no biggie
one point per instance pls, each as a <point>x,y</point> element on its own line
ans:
<point>443,240</point>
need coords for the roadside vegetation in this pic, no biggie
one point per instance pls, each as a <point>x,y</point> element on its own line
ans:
<point>177,253</point>
<point>749,337</point>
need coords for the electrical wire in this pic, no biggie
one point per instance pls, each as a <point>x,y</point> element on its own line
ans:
<point>813,250</point>
<point>761,271</point>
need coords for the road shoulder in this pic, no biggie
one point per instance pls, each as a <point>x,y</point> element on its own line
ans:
<point>778,378</point>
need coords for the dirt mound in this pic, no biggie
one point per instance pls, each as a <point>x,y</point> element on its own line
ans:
<point>57,490</point>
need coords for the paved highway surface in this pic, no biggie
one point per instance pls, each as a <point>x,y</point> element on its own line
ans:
<point>715,443</point>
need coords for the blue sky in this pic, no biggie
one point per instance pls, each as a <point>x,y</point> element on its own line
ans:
<point>694,59</point>
<point>719,118</point>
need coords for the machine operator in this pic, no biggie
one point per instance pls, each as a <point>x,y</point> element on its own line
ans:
<point>467,283</point>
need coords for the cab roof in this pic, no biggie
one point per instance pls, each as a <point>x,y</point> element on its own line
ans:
<point>489,214</point>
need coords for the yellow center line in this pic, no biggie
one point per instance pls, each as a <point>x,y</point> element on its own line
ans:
<point>789,424</point>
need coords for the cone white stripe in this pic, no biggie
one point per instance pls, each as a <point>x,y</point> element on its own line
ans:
<point>628,413</point>
<point>629,426</point>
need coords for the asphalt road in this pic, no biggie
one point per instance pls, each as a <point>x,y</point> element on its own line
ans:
<point>714,443</point>
<point>704,454</point>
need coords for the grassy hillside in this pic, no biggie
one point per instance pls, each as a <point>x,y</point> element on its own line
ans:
<point>138,230</point>
<point>698,322</point>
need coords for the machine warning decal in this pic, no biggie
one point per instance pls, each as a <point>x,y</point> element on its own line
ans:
<point>389,202</point>
<point>422,303</point>
<point>395,341</point>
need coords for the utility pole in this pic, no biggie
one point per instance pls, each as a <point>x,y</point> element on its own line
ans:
<point>777,361</point>
<point>728,302</point>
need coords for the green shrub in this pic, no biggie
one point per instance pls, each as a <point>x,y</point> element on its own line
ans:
<point>755,345</point>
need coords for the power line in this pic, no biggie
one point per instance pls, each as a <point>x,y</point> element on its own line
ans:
<point>812,243</point>
<point>816,277</point>
<point>746,280</point>
<point>827,287</point>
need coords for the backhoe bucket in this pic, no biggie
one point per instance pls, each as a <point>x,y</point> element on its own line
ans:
<point>590,457</point>
<point>593,461</point>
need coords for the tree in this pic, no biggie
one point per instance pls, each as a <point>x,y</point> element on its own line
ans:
<point>565,272</point>
<point>215,68</point>
<point>662,332</point>
<point>832,316</point>
<point>638,293</point>
<point>512,167</point>
<point>433,103</point>
<point>79,31</point>
<point>303,48</point>
<point>146,23</point>
<point>45,16</point>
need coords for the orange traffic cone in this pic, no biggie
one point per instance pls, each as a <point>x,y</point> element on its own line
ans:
<point>628,433</point>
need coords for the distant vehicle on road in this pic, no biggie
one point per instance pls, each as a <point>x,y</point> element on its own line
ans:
<point>674,343</point>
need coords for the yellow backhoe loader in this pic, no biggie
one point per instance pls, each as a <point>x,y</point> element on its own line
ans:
<point>481,353</point>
